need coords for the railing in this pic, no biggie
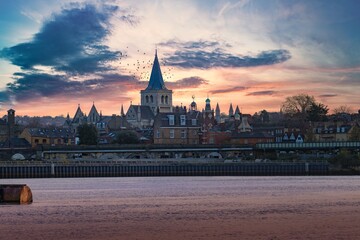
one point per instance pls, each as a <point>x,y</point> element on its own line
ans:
<point>308,145</point>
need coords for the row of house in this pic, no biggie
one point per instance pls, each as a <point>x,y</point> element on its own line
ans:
<point>157,121</point>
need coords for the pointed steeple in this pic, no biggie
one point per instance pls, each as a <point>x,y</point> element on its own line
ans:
<point>217,109</point>
<point>156,81</point>
<point>237,111</point>
<point>122,111</point>
<point>217,113</point>
<point>231,110</point>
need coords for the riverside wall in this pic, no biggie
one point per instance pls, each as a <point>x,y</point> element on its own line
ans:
<point>148,168</point>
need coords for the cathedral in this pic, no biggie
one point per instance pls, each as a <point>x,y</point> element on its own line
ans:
<point>156,95</point>
<point>154,99</point>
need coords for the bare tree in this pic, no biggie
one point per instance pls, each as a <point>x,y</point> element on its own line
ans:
<point>342,109</point>
<point>298,104</point>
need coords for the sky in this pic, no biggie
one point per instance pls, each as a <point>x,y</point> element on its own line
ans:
<point>56,54</point>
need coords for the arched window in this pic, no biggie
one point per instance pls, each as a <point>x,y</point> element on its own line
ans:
<point>166,99</point>
<point>162,99</point>
<point>151,98</point>
<point>147,99</point>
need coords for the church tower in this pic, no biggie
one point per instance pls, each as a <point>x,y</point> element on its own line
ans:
<point>156,95</point>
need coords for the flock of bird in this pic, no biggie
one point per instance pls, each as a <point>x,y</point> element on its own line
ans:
<point>141,68</point>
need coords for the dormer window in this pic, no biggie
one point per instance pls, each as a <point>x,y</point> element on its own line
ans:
<point>286,137</point>
<point>171,120</point>
<point>292,137</point>
<point>193,122</point>
<point>182,120</point>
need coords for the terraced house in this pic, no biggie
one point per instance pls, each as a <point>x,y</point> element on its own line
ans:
<point>178,127</point>
<point>45,136</point>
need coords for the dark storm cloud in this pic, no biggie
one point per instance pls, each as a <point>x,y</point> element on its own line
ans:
<point>32,86</point>
<point>205,59</point>
<point>227,90</point>
<point>189,82</point>
<point>70,41</point>
<point>261,93</point>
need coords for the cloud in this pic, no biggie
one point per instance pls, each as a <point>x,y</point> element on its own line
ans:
<point>33,86</point>
<point>209,54</point>
<point>69,44</point>
<point>261,93</point>
<point>201,44</point>
<point>70,41</point>
<point>189,82</point>
<point>328,95</point>
<point>228,90</point>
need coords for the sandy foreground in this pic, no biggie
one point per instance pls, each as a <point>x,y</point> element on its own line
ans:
<point>273,215</point>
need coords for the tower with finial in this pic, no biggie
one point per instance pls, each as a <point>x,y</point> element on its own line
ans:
<point>193,105</point>
<point>208,120</point>
<point>156,95</point>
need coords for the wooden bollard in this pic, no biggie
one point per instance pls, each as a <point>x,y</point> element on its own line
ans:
<point>15,193</point>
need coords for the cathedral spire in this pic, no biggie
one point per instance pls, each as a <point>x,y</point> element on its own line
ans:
<point>231,110</point>
<point>156,81</point>
<point>122,111</point>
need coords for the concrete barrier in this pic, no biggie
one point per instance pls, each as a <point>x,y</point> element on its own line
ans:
<point>15,193</point>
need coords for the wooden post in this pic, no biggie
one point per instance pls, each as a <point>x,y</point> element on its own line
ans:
<point>15,193</point>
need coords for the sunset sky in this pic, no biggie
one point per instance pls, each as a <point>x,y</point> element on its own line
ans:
<point>56,54</point>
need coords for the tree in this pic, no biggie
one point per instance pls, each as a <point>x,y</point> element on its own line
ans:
<point>355,133</point>
<point>261,117</point>
<point>127,137</point>
<point>264,116</point>
<point>297,105</point>
<point>317,112</point>
<point>87,134</point>
<point>342,109</point>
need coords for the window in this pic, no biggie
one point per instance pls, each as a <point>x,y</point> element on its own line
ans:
<point>151,98</point>
<point>147,99</point>
<point>172,133</point>
<point>171,120</point>
<point>162,99</point>
<point>292,137</point>
<point>183,133</point>
<point>193,122</point>
<point>166,99</point>
<point>36,140</point>
<point>44,141</point>
<point>157,134</point>
<point>182,120</point>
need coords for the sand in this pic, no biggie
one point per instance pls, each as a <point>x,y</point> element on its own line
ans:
<point>200,211</point>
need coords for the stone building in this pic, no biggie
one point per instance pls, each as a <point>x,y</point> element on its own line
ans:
<point>156,98</point>
<point>156,95</point>
<point>177,127</point>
